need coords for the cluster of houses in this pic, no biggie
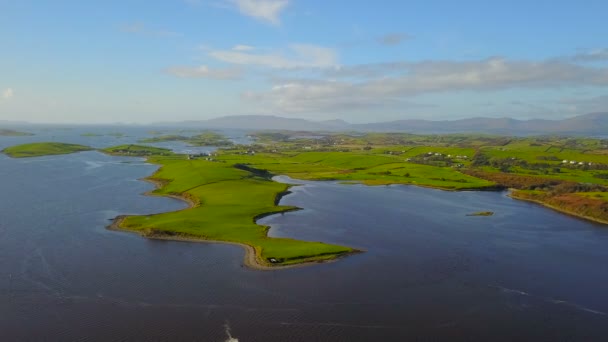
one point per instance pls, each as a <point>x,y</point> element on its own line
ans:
<point>574,162</point>
<point>248,152</point>
<point>137,152</point>
<point>205,156</point>
<point>427,157</point>
<point>449,155</point>
<point>130,152</point>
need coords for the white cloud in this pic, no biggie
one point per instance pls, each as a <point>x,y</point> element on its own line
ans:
<point>597,55</point>
<point>204,71</point>
<point>296,56</point>
<point>491,73</point>
<point>243,48</point>
<point>264,10</point>
<point>363,71</point>
<point>396,82</point>
<point>8,93</point>
<point>311,96</point>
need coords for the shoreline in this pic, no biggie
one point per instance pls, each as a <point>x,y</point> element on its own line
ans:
<point>558,209</point>
<point>158,184</point>
<point>251,258</point>
<point>490,188</point>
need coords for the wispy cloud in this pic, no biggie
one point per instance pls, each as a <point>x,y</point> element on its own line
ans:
<point>204,71</point>
<point>243,48</point>
<point>596,55</point>
<point>393,39</point>
<point>140,28</point>
<point>8,93</point>
<point>368,71</point>
<point>392,83</point>
<point>295,56</point>
<point>264,10</point>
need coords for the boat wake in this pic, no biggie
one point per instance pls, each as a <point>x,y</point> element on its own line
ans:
<point>230,338</point>
<point>553,301</point>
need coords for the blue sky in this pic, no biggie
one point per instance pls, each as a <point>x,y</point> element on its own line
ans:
<point>361,61</point>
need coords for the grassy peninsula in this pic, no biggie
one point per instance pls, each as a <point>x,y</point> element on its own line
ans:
<point>43,149</point>
<point>225,203</point>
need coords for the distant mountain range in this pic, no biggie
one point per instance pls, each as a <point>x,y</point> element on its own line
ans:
<point>588,124</point>
<point>593,124</point>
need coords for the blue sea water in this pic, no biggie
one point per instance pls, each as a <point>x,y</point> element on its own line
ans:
<point>430,272</point>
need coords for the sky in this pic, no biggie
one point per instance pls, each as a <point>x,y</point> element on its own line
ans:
<point>131,61</point>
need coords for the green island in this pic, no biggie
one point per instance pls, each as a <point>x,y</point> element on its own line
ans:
<point>228,190</point>
<point>482,213</point>
<point>116,135</point>
<point>13,133</point>
<point>43,149</point>
<point>206,138</point>
<point>137,151</point>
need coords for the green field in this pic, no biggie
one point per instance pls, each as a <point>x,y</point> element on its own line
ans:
<point>595,195</point>
<point>368,168</point>
<point>43,149</point>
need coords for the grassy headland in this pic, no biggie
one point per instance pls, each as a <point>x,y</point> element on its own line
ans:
<point>225,203</point>
<point>43,149</point>
<point>591,205</point>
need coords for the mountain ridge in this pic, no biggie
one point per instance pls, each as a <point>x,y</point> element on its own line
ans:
<point>588,124</point>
